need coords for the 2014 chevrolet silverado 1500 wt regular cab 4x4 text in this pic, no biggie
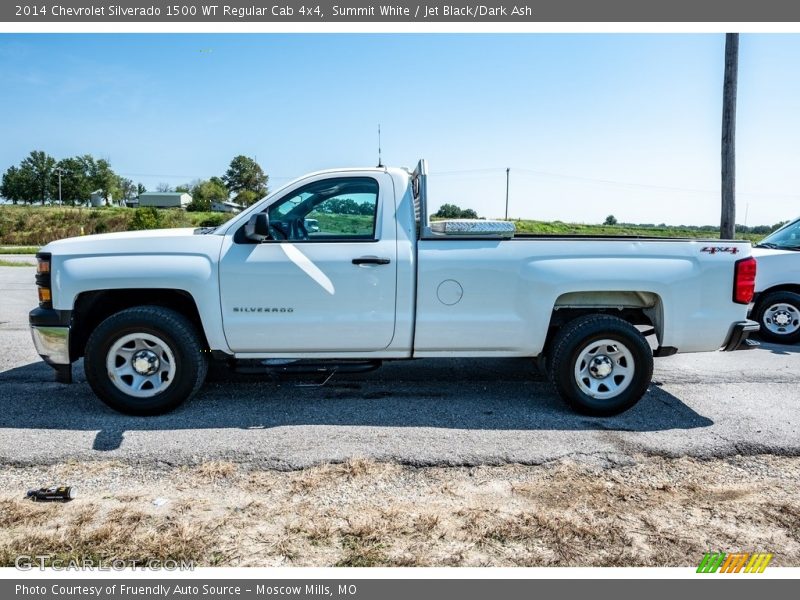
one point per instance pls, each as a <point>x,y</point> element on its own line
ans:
<point>376,281</point>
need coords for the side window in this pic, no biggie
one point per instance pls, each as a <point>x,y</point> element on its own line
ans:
<point>343,208</point>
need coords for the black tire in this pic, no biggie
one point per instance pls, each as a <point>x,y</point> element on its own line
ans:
<point>180,360</point>
<point>628,356</point>
<point>778,313</point>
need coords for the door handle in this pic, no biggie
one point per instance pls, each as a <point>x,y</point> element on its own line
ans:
<point>371,260</point>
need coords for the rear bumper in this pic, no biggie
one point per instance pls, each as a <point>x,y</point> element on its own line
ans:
<point>50,333</point>
<point>737,339</point>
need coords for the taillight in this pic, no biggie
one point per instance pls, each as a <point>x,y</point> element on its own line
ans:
<point>744,280</point>
<point>43,279</point>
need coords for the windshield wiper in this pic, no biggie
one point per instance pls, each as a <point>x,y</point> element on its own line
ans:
<point>772,246</point>
<point>204,230</point>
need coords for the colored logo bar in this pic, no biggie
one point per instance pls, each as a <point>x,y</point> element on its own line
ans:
<point>740,562</point>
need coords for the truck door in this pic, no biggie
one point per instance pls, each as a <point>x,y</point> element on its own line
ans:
<point>325,281</point>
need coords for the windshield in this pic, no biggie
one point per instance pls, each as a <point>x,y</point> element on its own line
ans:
<point>786,238</point>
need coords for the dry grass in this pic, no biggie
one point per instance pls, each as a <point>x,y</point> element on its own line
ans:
<point>657,512</point>
<point>215,470</point>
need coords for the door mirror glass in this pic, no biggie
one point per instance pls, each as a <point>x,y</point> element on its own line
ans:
<point>257,228</point>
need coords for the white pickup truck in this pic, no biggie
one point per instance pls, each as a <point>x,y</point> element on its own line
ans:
<point>776,304</point>
<point>376,281</point>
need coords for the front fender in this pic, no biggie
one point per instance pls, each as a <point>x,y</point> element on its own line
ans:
<point>194,274</point>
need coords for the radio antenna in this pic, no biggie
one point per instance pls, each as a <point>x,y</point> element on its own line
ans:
<point>380,163</point>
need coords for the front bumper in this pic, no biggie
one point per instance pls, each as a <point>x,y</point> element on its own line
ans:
<point>52,343</point>
<point>50,332</point>
<point>737,339</point>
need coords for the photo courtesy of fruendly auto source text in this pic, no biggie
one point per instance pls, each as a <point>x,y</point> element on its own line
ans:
<point>364,301</point>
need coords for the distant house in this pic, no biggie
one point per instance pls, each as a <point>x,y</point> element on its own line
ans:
<point>165,199</point>
<point>226,207</point>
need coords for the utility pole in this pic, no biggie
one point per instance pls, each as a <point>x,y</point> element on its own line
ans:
<point>508,171</point>
<point>59,170</point>
<point>727,228</point>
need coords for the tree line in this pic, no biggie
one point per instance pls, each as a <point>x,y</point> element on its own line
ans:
<point>754,229</point>
<point>39,178</point>
<point>453,211</point>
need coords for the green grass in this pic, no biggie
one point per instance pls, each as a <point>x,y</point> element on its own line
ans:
<point>343,224</point>
<point>25,228</point>
<point>558,227</point>
<point>35,226</point>
<point>19,249</point>
<point>14,263</point>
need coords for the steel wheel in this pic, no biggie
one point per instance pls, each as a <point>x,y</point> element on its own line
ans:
<point>604,369</point>
<point>600,364</point>
<point>145,360</point>
<point>782,318</point>
<point>778,313</point>
<point>141,365</point>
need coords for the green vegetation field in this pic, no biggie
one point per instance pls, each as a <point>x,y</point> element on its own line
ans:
<point>28,227</point>
<point>38,225</point>
<point>681,231</point>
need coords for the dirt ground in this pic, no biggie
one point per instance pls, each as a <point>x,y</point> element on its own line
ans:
<point>647,512</point>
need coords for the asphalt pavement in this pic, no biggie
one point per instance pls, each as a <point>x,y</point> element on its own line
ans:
<point>422,412</point>
<point>20,258</point>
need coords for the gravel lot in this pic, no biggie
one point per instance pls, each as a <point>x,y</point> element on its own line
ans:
<point>426,412</point>
<point>20,258</point>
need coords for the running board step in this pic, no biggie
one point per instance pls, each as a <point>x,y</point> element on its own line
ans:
<point>304,367</point>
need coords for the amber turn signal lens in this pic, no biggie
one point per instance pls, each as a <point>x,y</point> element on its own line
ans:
<point>44,295</point>
<point>42,266</point>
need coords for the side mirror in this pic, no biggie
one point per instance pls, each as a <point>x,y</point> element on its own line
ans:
<point>257,228</point>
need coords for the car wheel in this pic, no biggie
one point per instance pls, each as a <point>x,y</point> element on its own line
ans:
<point>778,313</point>
<point>145,360</point>
<point>600,365</point>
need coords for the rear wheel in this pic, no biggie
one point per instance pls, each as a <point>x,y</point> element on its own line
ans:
<point>600,365</point>
<point>145,360</point>
<point>778,313</point>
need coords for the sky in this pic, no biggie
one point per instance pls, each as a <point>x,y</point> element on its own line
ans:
<point>589,124</point>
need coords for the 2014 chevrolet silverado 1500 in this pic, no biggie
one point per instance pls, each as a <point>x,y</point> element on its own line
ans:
<point>776,303</point>
<point>376,281</point>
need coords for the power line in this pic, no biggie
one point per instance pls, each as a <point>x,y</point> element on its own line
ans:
<point>167,176</point>
<point>501,170</point>
<point>628,184</point>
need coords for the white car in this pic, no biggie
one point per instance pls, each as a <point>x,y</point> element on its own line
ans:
<point>312,225</point>
<point>147,310</point>
<point>776,304</point>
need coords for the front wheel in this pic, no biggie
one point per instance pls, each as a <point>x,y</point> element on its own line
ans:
<point>145,360</point>
<point>601,365</point>
<point>778,313</point>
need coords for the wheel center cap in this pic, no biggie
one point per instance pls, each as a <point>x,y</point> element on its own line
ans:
<point>145,362</point>
<point>601,367</point>
<point>782,318</point>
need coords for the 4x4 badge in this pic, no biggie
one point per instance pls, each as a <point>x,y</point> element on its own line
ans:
<point>716,249</point>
